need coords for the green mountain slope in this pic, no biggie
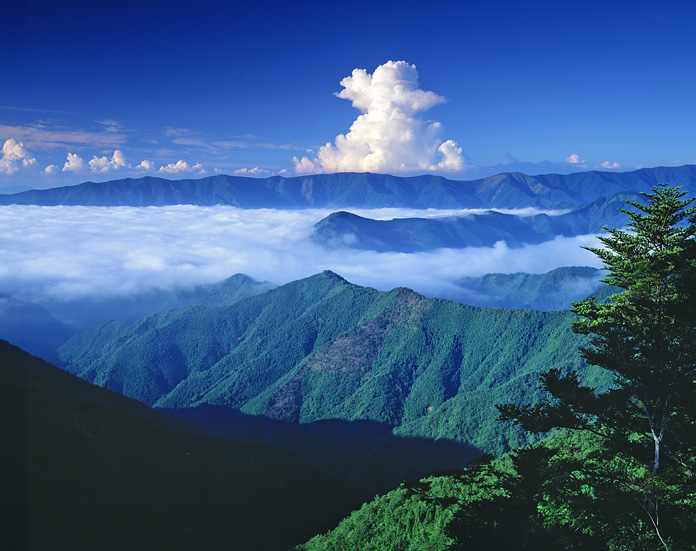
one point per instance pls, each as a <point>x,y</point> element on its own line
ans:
<point>86,468</point>
<point>509,190</point>
<point>514,502</point>
<point>322,348</point>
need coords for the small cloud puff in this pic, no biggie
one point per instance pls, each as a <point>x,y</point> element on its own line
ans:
<point>146,165</point>
<point>389,135</point>
<point>255,170</point>
<point>574,159</point>
<point>104,164</point>
<point>50,169</point>
<point>14,156</point>
<point>75,163</point>
<point>607,164</point>
<point>182,166</point>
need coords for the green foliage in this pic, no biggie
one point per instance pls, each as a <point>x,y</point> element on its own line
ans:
<point>322,348</point>
<point>645,336</point>
<point>516,502</point>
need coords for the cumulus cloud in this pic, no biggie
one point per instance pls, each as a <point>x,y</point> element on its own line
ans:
<point>607,164</point>
<point>182,166</point>
<point>104,164</point>
<point>574,159</point>
<point>146,165</point>
<point>14,156</point>
<point>75,163</point>
<point>51,169</point>
<point>125,249</point>
<point>389,135</point>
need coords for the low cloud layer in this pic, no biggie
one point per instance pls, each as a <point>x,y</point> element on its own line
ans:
<point>66,252</point>
<point>389,135</point>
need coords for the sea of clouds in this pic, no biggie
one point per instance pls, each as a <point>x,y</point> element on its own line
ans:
<point>67,252</point>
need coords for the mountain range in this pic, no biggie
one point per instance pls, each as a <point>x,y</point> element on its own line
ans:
<point>364,190</point>
<point>322,348</point>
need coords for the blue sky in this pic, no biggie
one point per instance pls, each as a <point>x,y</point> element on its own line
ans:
<point>198,88</point>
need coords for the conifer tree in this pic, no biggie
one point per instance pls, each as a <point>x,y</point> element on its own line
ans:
<point>646,337</point>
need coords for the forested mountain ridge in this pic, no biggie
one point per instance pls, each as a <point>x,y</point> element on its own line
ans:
<point>323,348</point>
<point>364,190</point>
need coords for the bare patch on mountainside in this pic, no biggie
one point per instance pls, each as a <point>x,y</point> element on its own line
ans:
<point>351,354</point>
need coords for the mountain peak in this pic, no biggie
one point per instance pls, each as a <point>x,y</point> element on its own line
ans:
<point>328,274</point>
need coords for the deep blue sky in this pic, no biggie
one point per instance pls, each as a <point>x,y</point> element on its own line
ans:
<point>231,86</point>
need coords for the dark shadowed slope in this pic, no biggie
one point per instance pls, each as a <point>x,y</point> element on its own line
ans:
<point>86,468</point>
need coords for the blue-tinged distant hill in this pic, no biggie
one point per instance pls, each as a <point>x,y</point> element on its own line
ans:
<point>366,190</point>
<point>344,229</point>
<point>87,312</point>
<point>554,290</point>
<point>31,327</point>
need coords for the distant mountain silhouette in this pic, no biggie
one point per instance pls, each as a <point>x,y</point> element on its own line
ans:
<point>344,229</point>
<point>88,312</point>
<point>366,190</point>
<point>31,327</point>
<point>554,290</point>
